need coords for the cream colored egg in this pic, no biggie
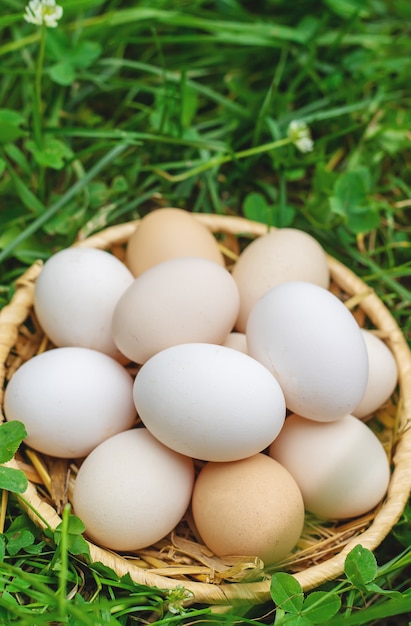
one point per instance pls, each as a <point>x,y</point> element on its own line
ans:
<point>382,375</point>
<point>340,467</point>
<point>131,491</point>
<point>251,507</point>
<point>281,255</point>
<point>166,234</point>
<point>70,399</point>
<point>237,341</point>
<point>182,300</point>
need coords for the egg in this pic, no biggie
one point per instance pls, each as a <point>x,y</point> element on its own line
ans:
<point>166,234</point>
<point>281,255</point>
<point>382,375</point>
<point>340,467</point>
<point>182,300</point>
<point>131,491</point>
<point>251,507</point>
<point>237,341</point>
<point>209,402</point>
<point>75,296</point>
<point>313,345</point>
<point>70,399</point>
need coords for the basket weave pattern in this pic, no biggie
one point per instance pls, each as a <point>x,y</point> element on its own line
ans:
<point>180,559</point>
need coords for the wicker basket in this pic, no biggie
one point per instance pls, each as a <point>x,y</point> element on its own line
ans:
<point>179,559</point>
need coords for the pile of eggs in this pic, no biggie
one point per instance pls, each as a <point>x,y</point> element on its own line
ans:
<point>248,401</point>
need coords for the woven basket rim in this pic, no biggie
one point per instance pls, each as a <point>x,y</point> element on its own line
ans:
<point>14,314</point>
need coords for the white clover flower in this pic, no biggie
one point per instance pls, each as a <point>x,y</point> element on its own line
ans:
<point>300,135</point>
<point>45,12</point>
<point>176,598</point>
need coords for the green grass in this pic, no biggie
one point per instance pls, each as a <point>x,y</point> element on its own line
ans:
<point>125,107</point>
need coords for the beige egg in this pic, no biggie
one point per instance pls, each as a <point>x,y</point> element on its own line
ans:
<point>166,234</point>
<point>382,375</point>
<point>341,467</point>
<point>131,491</point>
<point>181,300</point>
<point>237,341</point>
<point>281,255</point>
<point>251,507</point>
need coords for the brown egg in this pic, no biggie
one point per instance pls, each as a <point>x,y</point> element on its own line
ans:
<point>166,234</point>
<point>281,255</point>
<point>251,507</point>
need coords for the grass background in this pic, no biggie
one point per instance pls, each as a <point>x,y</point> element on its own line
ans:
<point>126,107</point>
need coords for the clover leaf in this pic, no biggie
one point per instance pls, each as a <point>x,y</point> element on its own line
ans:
<point>11,435</point>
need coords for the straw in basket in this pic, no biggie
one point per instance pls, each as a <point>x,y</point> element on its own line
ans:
<point>180,560</point>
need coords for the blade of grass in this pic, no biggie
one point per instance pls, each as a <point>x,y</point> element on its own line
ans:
<point>137,137</point>
<point>368,615</point>
<point>217,161</point>
<point>243,33</point>
<point>63,549</point>
<point>61,202</point>
<point>381,273</point>
<point>175,77</point>
<point>28,198</point>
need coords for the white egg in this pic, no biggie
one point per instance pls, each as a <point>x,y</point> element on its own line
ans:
<point>75,296</point>
<point>70,399</point>
<point>341,466</point>
<point>382,375</point>
<point>314,347</point>
<point>209,402</point>
<point>131,491</point>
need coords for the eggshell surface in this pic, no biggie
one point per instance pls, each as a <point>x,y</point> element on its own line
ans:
<point>281,255</point>
<point>131,491</point>
<point>237,341</point>
<point>209,402</point>
<point>182,300</point>
<point>75,296</point>
<point>70,399</point>
<point>251,507</point>
<point>340,467</point>
<point>166,234</point>
<point>382,375</point>
<point>314,347</point>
